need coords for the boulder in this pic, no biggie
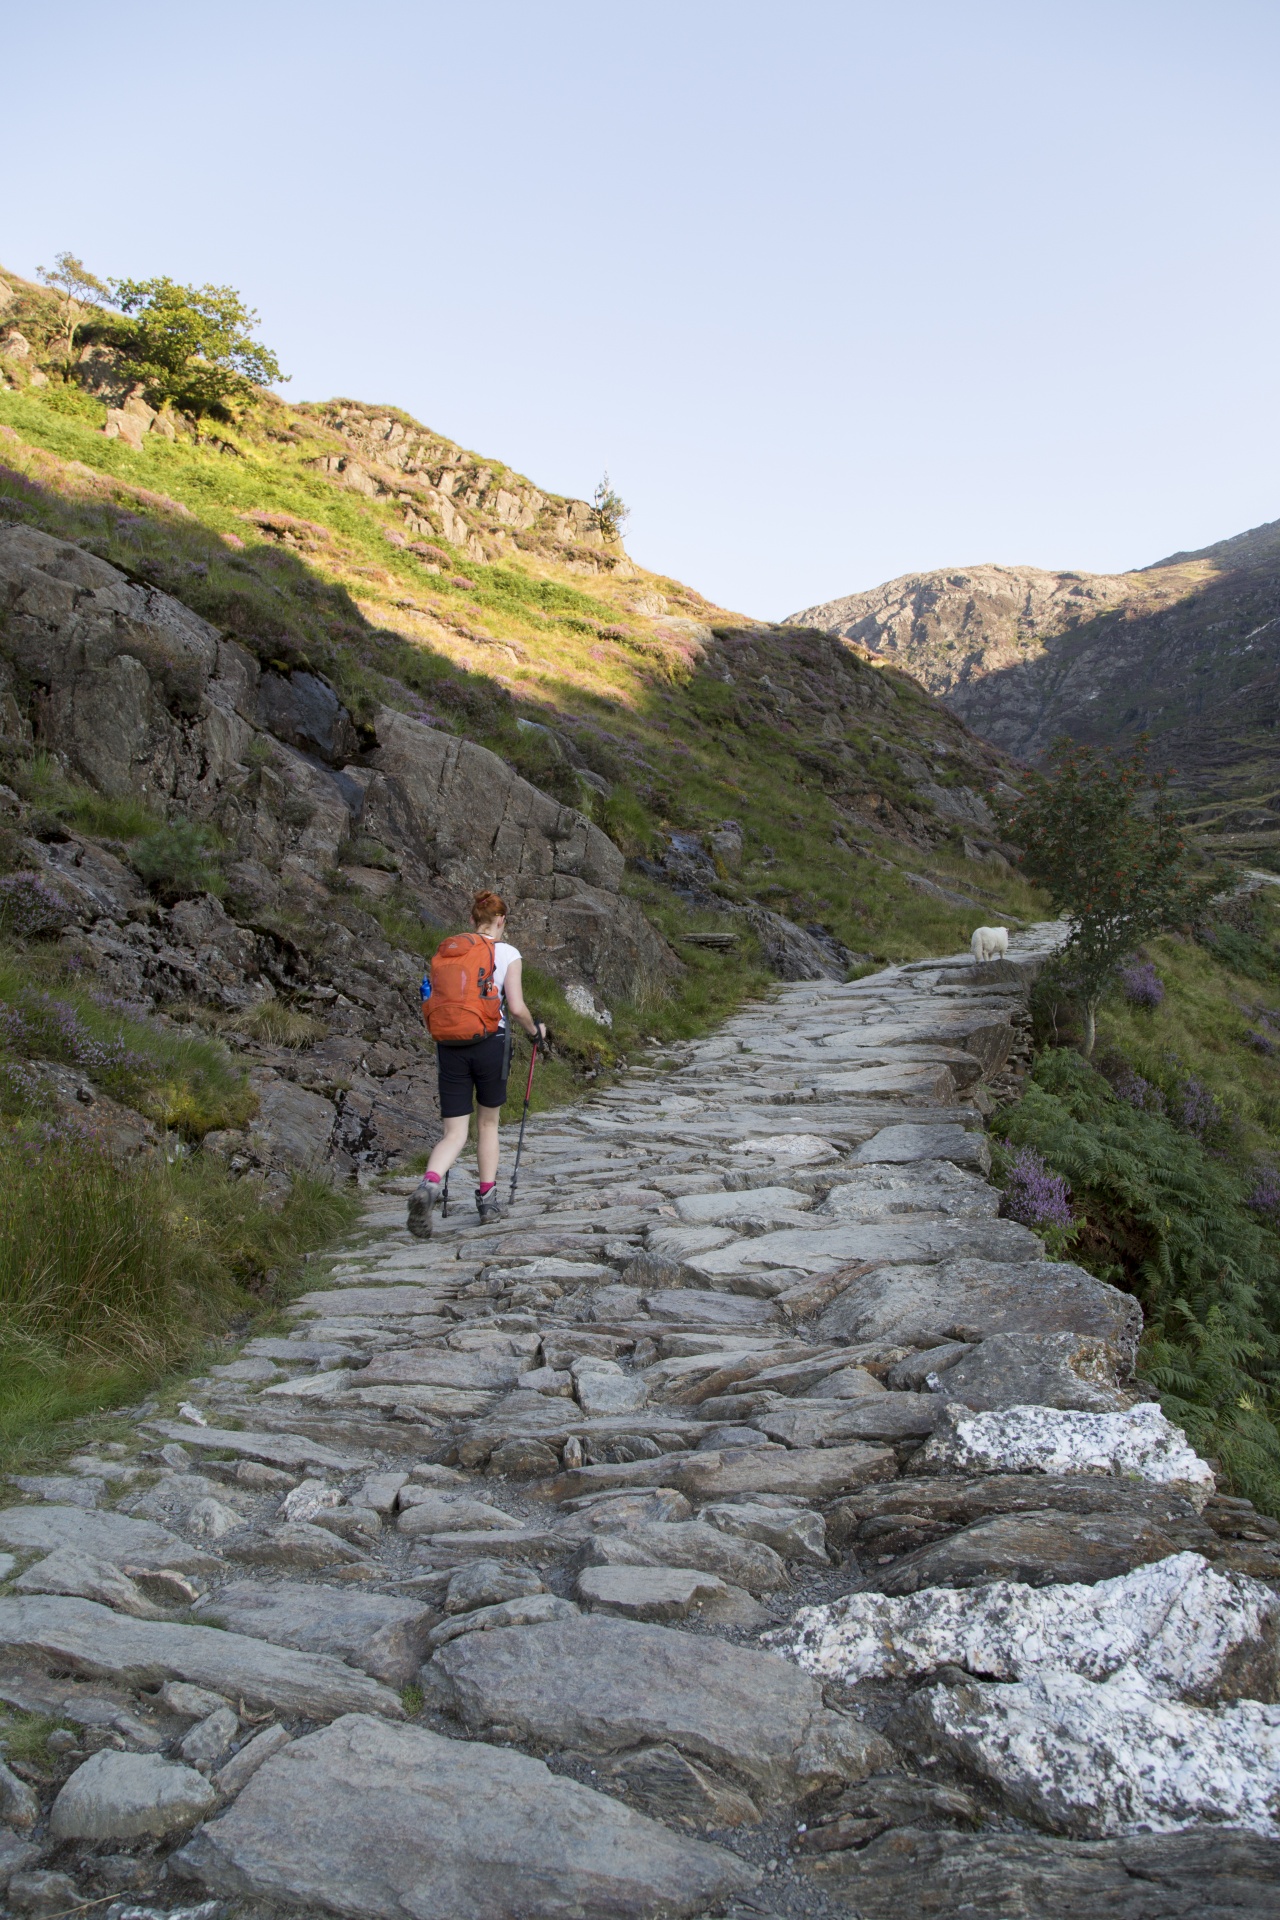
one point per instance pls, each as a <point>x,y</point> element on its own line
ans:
<point>1039,1369</point>
<point>605,1685</point>
<point>1039,1548</point>
<point>1093,1760</point>
<point>1138,1443</point>
<point>1176,1625</point>
<point>383,1822</point>
<point>1021,1295</point>
<point>129,1796</point>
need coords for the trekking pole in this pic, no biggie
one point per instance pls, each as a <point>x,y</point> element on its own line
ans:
<point>444,1199</point>
<point>515,1171</point>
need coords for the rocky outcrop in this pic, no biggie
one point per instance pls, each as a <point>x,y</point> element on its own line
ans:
<point>1185,650</point>
<point>140,698</point>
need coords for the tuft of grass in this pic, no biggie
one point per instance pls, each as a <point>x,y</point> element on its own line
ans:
<point>180,860</point>
<point>41,782</point>
<point>112,1275</point>
<point>182,1081</point>
<point>25,1737</point>
<point>280,1024</point>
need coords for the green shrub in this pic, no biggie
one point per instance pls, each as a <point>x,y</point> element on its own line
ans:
<point>1163,1217</point>
<point>179,860</point>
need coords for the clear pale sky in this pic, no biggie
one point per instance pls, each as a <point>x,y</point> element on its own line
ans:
<point>835,292</point>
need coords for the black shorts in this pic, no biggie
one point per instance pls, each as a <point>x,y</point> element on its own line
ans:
<point>482,1067</point>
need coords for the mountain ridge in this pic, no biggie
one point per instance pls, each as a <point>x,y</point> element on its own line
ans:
<point>1185,650</point>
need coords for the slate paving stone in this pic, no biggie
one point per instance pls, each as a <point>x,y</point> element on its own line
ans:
<point>1201,1874</point>
<point>79,1636</point>
<point>368,1819</point>
<point>108,1536</point>
<point>604,1685</point>
<point>689,1544</point>
<point>382,1635</point>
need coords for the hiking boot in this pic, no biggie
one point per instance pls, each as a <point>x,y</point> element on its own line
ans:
<point>488,1206</point>
<point>423,1202</point>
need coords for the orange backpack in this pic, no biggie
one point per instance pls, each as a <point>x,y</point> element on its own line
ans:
<point>464,1005</point>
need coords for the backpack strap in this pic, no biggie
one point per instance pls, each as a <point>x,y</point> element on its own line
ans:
<point>493,959</point>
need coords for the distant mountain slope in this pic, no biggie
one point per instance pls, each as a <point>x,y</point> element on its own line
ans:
<point>1187,650</point>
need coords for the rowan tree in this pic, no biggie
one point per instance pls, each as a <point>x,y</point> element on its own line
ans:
<point>193,346</point>
<point>1102,837</point>
<point>78,287</point>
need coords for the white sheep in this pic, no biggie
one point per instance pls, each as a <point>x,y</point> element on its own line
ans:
<point>987,942</point>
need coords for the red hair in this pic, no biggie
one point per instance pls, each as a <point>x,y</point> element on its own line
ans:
<point>487,906</point>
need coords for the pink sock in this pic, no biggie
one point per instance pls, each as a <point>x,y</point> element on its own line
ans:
<point>432,1179</point>
<point>487,1186</point>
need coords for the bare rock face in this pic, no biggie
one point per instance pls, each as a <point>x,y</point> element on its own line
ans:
<point>379,1821</point>
<point>1025,655</point>
<point>464,819</point>
<point>141,697</point>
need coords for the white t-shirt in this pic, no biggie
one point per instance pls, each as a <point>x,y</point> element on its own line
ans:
<point>503,954</point>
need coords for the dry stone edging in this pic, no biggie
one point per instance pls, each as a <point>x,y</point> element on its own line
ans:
<point>751,1377</point>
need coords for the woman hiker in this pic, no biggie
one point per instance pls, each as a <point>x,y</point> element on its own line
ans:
<point>472,992</point>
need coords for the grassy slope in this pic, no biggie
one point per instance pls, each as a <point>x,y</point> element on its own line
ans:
<point>1170,1181</point>
<point>493,644</point>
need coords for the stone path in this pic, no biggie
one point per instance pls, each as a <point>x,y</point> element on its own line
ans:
<point>752,1522</point>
